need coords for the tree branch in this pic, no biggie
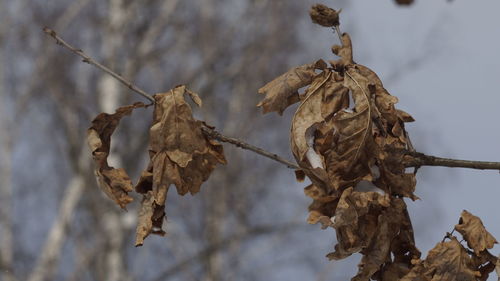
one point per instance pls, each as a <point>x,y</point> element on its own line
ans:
<point>89,60</point>
<point>207,130</point>
<point>417,159</point>
<point>241,144</point>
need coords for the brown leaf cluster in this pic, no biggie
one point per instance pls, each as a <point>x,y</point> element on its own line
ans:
<point>180,154</point>
<point>451,260</point>
<point>346,133</point>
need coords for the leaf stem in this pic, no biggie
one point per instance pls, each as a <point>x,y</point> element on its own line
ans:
<point>339,34</point>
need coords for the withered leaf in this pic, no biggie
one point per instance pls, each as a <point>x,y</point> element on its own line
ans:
<point>115,183</point>
<point>474,232</point>
<point>323,15</point>
<point>356,220</point>
<point>447,261</point>
<point>310,113</point>
<point>417,274</point>
<point>352,151</point>
<point>150,218</point>
<point>344,51</point>
<point>282,91</point>
<point>392,272</point>
<point>324,96</point>
<point>180,154</point>
<point>391,223</point>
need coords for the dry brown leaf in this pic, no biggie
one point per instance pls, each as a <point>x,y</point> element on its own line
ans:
<point>324,16</point>
<point>282,91</point>
<point>355,140</point>
<point>390,225</point>
<point>150,219</point>
<point>474,232</point>
<point>355,221</point>
<point>485,263</point>
<point>447,261</point>
<point>310,114</point>
<point>417,274</point>
<point>344,52</point>
<point>115,183</point>
<point>180,154</point>
<point>392,272</point>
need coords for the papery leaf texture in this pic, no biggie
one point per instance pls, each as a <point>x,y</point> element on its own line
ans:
<point>115,183</point>
<point>180,154</point>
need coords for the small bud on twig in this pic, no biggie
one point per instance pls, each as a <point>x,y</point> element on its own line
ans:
<point>323,15</point>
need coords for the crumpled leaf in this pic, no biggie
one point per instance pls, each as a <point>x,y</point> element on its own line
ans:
<point>282,91</point>
<point>392,224</point>
<point>417,273</point>
<point>324,16</point>
<point>353,150</point>
<point>344,51</point>
<point>474,232</point>
<point>115,183</point>
<point>447,261</point>
<point>150,218</point>
<point>356,217</point>
<point>180,154</point>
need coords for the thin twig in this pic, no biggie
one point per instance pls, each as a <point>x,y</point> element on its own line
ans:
<point>89,60</point>
<point>336,29</point>
<point>241,144</point>
<point>417,159</point>
<point>420,159</point>
<point>207,130</point>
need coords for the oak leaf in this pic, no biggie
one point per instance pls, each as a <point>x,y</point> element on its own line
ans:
<point>115,183</point>
<point>447,261</point>
<point>474,232</point>
<point>282,91</point>
<point>356,221</point>
<point>391,224</point>
<point>150,219</point>
<point>180,154</point>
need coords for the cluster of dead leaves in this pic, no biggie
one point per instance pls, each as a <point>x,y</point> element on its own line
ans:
<point>179,152</point>
<point>451,260</point>
<point>348,138</point>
